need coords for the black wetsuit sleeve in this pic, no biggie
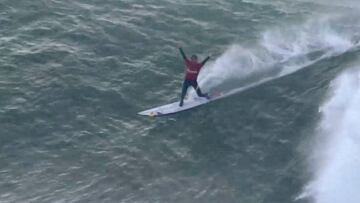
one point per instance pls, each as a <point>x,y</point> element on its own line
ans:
<point>183,54</point>
<point>205,60</point>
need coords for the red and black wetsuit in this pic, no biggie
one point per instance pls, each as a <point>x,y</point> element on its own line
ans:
<point>192,71</point>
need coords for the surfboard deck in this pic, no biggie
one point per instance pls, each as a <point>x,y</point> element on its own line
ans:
<point>173,108</point>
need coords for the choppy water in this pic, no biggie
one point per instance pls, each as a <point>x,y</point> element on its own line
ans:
<point>73,75</point>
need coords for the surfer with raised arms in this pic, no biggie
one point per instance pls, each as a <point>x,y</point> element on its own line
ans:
<point>193,68</point>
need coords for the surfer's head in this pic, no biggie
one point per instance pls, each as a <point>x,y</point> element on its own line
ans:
<point>194,57</point>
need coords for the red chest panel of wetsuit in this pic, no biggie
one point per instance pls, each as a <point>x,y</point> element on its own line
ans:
<point>192,69</point>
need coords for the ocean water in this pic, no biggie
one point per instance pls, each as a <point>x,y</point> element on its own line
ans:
<point>74,74</point>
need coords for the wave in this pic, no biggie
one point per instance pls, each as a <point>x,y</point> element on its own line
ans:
<point>335,161</point>
<point>279,52</point>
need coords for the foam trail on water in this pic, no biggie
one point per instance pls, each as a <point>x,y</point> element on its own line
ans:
<point>335,160</point>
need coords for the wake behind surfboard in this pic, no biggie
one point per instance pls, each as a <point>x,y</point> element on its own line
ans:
<point>175,108</point>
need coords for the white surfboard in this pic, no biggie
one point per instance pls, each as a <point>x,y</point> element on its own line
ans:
<point>175,108</point>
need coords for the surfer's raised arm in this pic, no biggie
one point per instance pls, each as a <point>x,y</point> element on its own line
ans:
<point>205,60</point>
<point>183,54</point>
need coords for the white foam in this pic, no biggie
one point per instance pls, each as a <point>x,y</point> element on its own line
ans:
<point>335,160</point>
<point>279,51</point>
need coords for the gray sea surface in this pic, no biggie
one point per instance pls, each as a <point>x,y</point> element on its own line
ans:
<point>75,73</point>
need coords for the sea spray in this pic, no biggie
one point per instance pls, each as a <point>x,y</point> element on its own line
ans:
<point>278,52</point>
<point>335,159</point>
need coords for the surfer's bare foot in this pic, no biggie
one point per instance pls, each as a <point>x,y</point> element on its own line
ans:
<point>181,104</point>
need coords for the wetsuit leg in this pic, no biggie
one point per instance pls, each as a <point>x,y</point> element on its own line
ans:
<point>197,89</point>
<point>186,84</point>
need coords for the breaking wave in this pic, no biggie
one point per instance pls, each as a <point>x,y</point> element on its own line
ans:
<point>280,51</point>
<point>335,160</point>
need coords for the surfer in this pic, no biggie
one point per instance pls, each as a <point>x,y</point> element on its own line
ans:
<point>193,68</point>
